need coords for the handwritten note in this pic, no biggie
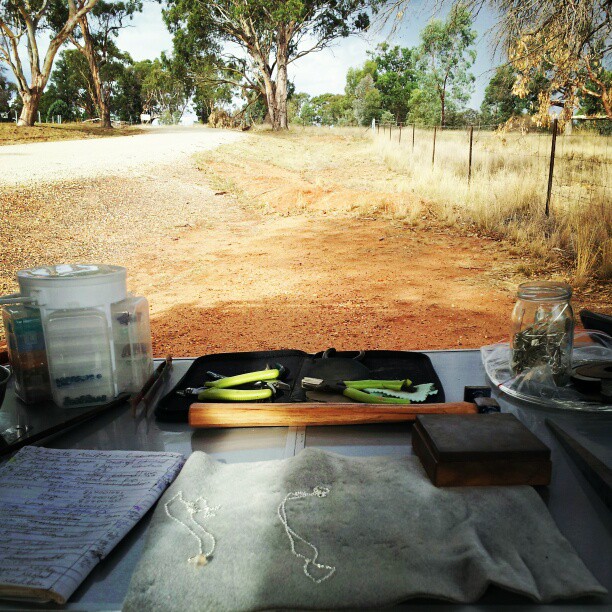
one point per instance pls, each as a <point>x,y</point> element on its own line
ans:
<point>62,511</point>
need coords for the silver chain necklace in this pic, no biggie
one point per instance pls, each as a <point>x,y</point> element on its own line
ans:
<point>203,511</point>
<point>318,491</point>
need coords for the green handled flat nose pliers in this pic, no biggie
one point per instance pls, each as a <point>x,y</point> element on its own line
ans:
<point>222,387</point>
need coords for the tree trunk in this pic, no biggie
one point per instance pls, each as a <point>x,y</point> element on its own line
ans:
<point>271,101</point>
<point>105,117</point>
<point>88,50</point>
<point>442,115</point>
<point>29,112</point>
<point>281,97</point>
<point>282,50</point>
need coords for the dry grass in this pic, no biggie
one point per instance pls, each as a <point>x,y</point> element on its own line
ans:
<point>11,134</point>
<point>507,192</point>
<point>339,172</point>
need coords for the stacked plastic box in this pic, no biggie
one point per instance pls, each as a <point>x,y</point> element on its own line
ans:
<point>96,338</point>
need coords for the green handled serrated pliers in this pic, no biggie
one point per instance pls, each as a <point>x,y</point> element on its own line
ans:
<point>365,391</point>
<point>221,388</point>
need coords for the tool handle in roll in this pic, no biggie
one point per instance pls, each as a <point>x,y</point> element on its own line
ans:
<point>302,414</point>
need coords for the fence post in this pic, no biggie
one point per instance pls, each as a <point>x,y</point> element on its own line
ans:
<point>400,134</point>
<point>470,160</point>
<point>378,127</point>
<point>413,126</point>
<point>390,131</point>
<point>551,167</point>
<point>433,153</point>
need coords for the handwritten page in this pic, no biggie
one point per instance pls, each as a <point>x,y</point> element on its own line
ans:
<point>62,511</point>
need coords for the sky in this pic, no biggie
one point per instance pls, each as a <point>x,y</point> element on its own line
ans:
<point>325,71</point>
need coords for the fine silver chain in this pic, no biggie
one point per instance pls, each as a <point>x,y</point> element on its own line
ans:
<point>203,511</point>
<point>318,491</point>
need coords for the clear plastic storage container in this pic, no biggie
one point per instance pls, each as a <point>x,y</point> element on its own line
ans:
<point>132,343</point>
<point>27,353</point>
<point>79,354</point>
<point>97,338</point>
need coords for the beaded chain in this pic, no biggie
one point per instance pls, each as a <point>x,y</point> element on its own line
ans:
<point>204,511</point>
<point>318,491</point>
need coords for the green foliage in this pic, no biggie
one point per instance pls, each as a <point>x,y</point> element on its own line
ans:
<point>165,90</point>
<point>424,107</point>
<point>268,33</point>
<point>59,107</point>
<point>445,57</point>
<point>126,100</point>
<point>395,77</point>
<point>7,92</point>
<point>71,82</point>
<point>500,103</point>
<point>367,101</point>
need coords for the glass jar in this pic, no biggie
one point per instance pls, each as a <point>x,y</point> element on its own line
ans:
<point>543,329</point>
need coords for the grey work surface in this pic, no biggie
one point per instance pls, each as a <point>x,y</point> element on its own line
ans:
<point>579,513</point>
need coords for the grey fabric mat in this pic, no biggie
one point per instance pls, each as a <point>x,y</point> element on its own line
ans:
<point>386,531</point>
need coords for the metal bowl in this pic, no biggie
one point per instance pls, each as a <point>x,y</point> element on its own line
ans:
<point>5,374</point>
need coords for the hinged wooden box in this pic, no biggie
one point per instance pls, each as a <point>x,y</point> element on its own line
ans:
<point>480,449</point>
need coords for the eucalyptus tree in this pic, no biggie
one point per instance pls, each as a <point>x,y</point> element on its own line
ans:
<point>30,22</point>
<point>569,42</point>
<point>95,39</point>
<point>255,41</point>
<point>447,55</point>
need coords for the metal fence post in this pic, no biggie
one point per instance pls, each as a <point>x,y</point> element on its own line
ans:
<point>413,126</point>
<point>551,167</point>
<point>470,159</point>
<point>433,153</point>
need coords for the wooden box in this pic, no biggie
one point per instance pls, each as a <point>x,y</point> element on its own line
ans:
<point>480,449</point>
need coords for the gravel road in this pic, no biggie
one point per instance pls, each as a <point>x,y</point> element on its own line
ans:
<point>49,162</point>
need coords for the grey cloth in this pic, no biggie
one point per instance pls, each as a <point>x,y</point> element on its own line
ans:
<point>388,532</point>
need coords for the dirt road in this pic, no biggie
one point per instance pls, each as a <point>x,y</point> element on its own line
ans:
<point>222,276</point>
<point>124,155</point>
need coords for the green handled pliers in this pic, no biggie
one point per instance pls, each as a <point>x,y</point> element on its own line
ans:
<point>365,391</point>
<point>221,388</point>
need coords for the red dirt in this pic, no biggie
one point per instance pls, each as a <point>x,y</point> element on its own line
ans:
<point>310,283</point>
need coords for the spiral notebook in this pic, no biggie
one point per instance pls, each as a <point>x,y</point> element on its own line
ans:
<point>62,511</point>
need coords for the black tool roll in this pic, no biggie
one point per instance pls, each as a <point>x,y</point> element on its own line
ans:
<point>341,365</point>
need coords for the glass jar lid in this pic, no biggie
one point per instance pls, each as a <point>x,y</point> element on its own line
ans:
<point>544,291</point>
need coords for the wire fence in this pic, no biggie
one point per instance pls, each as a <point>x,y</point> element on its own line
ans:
<point>572,168</point>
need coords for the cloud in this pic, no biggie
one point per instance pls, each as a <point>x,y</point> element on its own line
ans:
<point>147,35</point>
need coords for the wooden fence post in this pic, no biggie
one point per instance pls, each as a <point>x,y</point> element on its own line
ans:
<point>378,127</point>
<point>400,134</point>
<point>551,167</point>
<point>433,153</point>
<point>390,126</point>
<point>413,126</point>
<point>470,160</point>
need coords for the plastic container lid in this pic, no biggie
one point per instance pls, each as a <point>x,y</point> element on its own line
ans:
<point>74,285</point>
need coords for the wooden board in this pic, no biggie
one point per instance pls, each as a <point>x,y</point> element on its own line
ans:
<point>314,413</point>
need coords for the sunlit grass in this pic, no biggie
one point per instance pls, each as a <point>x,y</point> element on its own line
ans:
<point>508,186</point>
